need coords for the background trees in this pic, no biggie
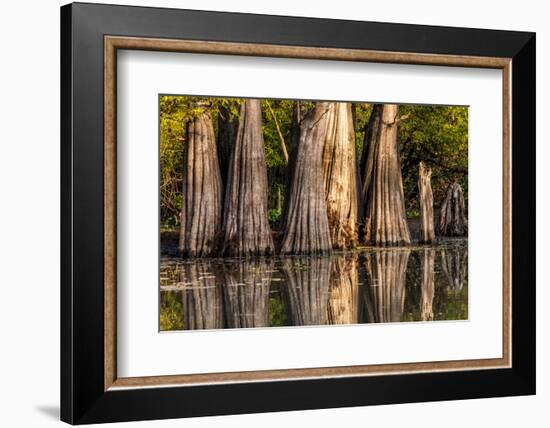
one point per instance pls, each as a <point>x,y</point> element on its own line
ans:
<point>435,135</point>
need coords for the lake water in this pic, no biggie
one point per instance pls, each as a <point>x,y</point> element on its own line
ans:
<point>363,286</point>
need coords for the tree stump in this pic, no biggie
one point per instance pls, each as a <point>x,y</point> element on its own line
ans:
<point>307,289</point>
<point>246,226</point>
<point>246,293</point>
<point>427,285</point>
<point>340,176</point>
<point>201,212</point>
<point>305,224</point>
<point>344,291</point>
<point>385,290</point>
<point>452,217</point>
<point>427,231</point>
<point>385,216</point>
<point>201,297</point>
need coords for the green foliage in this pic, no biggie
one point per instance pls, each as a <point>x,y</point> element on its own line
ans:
<point>171,311</point>
<point>277,312</point>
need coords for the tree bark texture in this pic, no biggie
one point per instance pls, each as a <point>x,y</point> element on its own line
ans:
<point>227,134</point>
<point>308,290</point>
<point>305,225</point>
<point>246,293</point>
<point>454,264</point>
<point>366,165</point>
<point>343,299</point>
<point>428,284</point>
<point>201,212</point>
<point>427,231</point>
<point>340,176</point>
<point>385,217</point>
<point>201,297</point>
<point>385,290</point>
<point>452,217</point>
<point>246,226</point>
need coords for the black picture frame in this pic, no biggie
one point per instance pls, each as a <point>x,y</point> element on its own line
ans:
<point>83,399</point>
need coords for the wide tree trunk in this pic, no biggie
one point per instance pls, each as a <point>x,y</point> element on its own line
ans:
<point>201,297</point>
<point>340,176</point>
<point>246,293</point>
<point>385,217</point>
<point>427,231</point>
<point>452,217</point>
<point>454,264</point>
<point>201,212</point>
<point>305,226</point>
<point>227,134</point>
<point>428,284</point>
<point>385,290</point>
<point>344,291</point>
<point>246,226</point>
<point>307,289</point>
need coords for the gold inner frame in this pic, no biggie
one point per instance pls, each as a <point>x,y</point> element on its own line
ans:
<point>112,43</point>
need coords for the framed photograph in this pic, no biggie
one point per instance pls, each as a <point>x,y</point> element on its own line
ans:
<point>266,213</point>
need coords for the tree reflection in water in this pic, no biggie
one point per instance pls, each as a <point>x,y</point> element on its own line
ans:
<point>371,286</point>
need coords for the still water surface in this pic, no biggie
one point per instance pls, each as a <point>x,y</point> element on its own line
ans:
<point>366,286</point>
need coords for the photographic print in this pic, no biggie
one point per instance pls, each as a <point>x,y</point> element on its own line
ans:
<point>284,213</point>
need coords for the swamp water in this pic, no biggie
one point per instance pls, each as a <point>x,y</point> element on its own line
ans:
<point>365,286</point>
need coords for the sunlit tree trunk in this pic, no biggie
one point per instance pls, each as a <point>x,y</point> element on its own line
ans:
<point>246,226</point>
<point>385,217</point>
<point>308,290</point>
<point>201,212</point>
<point>452,217</point>
<point>344,291</point>
<point>428,284</point>
<point>385,288</point>
<point>201,297</point>
<point>246,293</point>
<point>305,225</point>
<point>427,232</point>
<point>340,176</point>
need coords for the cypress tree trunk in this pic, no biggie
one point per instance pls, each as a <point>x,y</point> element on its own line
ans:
<point>385,291</point>
<point>428,287</point>
<point>246,226</point>
<point>202,298</point>
<point>372,129</point>
<point>344,291</point>
<point>385,217</point>
<point>227,134</point>
<point>340,176</point>
<point>452,217</point>
<point>427,232</point>
<point>201,212</point>
<point>246,293</point>
<point>454,263</point>
<point>305,225</point>
<point>308,290</point>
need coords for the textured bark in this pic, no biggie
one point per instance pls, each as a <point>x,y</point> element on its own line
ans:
<point>305,224</point>
<point>308,290</point>
<point>427,231</point>
<point>246,293</point>
<point>452,217</point>
<point>246,226</point>
<point>340,176</point>
<point>385,290</point>
<point>201,213</point>
<point>344,291</point>
<point>227,134</point>
<point>201,297</point>
<point>454,263</point>
<point>428,284</point>
<point>385,217</point>
<point>369,143</point>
